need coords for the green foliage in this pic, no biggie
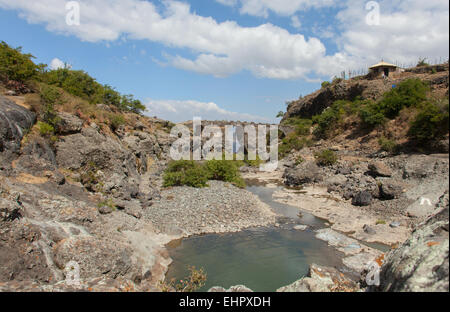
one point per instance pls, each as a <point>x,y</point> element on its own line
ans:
<point>280,114</point>
<point>224,170</point>
<point>292,142</point>
<point>387,145</point>
<point>409,93</point>
<point>380,222</point>
<point>326,158</point>
<point>115,121</point>
<point>185,172</point>
<point>16,66</point>
<point>328,120</point>
<point>371,115</point>
<point>431,122</point>
<point>326,84</point>
<point>194,174</point>
<point>45,129</point>
<point>50,97</point>
<point>107,203</point>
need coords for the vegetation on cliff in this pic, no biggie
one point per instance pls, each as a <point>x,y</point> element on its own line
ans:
<point>427,118</point>
<point>19,72</point>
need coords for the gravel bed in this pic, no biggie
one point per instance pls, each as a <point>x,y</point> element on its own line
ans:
<point>219,208</point>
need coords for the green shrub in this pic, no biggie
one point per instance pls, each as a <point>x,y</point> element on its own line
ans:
<point>79,83</point>
<point>115,121</point>
<point>387,145</point>
<point>185,172</point>
<point>326,84</point>
<point>328,120</point>
<point>224,170</point>
<point>107,203</point>
<point>409,93</point>
<point>380,222</point>
<point>16,66</point>
<point>431,122</point>
<point>371,115</point>
<point>50,98</point>
<point>194,174</point>
<point>280,114</point>
<point>325,158</point>
<point>292,142</point>
<point>45,129</point>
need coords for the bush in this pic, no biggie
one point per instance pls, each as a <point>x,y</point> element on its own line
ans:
<point>431,122</point>
<point>326,84</point>
<point>387,145</point>
<point>194,174</point>
<point>16,66</point>
<point>45,129</point>
<point>371,115</point>
<point>225,170</point>
<point>292,142</point>
<point>185,172</point>
<point>50,98</point>
<point>116,120</point>
<point>328,120</point>
<point>80,84</point>
<point>409,93</point>
<point>325,158</point>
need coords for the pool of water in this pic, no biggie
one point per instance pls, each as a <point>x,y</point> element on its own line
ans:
<point>263,259</point>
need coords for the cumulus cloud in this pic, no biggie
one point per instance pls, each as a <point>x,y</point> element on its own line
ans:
<point>180,111</point>
<point>56,63</point>
<point>409,29</point>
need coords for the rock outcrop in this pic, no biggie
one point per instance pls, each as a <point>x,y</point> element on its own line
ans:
<point>363,88</point>
<point>421,264</point>
<point>15,120</point>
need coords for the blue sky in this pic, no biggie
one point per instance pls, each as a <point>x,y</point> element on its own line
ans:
<point>224,59</point>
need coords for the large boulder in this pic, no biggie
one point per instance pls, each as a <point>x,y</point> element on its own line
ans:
<point>322,279</point>
<point>421,264</point>
<point>69,124</point>
<point>307,172</point>
<point>362,199</point>
<point>379,169</point>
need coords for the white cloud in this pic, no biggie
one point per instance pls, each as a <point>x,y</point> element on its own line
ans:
<point>56,63</point>
<point>409,29</point>
<point>180,111</point>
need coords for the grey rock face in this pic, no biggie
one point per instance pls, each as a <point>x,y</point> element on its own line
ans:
<point>69,124</point>
<point>421,264</point>
<point>14,121</point>
<point>307,172</point>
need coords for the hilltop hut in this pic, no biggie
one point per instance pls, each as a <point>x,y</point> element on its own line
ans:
<point>383,69</point>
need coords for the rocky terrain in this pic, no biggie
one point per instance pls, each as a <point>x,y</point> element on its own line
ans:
<point>91,192</point>
<point>94,196</point>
